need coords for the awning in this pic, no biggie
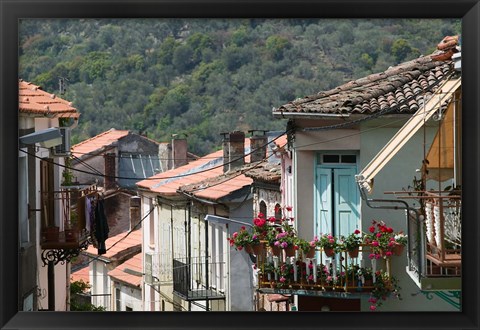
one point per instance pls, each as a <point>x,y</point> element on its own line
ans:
<point>440,97</point>
<point>440,157</point>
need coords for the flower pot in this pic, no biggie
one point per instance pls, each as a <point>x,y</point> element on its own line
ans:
<point>353,253</point>
<point>398,249</point>
<point>275,250</point>
<point>71,235</point>
<point>290,251</point>
<point>258,249</point>
<point>50,234</point>
<point>310,253</point>
<point>248,249</point>
<point>329,252</point>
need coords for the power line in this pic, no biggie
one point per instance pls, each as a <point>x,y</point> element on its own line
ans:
<point>154,177</point>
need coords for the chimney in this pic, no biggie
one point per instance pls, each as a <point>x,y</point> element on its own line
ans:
<point>179,151</point>
<point>134,211</point>
<point>233,150</point>
<point>110,170</point>
<point>258,145</point>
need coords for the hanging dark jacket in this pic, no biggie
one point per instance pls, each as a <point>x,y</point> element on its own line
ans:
<point>101,228</point>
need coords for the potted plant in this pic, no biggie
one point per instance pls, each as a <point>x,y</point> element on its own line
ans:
<point>241,239</point>
<point>384,286</point>
<point>328,243</point>
<point>352,243</point>
<point>381,240</point>
<point>400,242</point>
<point>72,231</point>
<point>365,276</point>
<point>307,247</point>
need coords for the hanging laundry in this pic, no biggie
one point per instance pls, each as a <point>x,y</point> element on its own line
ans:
<point>101,227</point>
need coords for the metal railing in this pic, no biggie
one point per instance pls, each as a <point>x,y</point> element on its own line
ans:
<point>196,279</point>
<point>443,233</point>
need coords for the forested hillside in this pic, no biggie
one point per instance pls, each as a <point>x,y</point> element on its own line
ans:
<point>203,77</point>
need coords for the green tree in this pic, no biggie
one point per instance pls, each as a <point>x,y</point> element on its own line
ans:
<point>77,288</point>
<point>401,49</point>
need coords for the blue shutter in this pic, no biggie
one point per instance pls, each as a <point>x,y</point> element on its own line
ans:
<point>345,201</point>
<point>323,223</point>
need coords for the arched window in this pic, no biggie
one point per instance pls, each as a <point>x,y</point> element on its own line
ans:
<point>278,211</point>
<point>263,208</point>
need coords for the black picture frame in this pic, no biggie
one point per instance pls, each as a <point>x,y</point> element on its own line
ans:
<point>13,10</point>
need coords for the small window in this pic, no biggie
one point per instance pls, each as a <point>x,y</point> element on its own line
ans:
<point>349,159</point>
<point>337,159</point>
<point>331,159</point>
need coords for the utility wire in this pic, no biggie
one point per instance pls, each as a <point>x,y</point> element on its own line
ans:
<point>154,177</point>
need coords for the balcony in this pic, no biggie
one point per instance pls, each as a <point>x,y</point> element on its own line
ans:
<point>198,279</point>
<point>338,276</point>
<point>63,245</point>
<point>435,244</point>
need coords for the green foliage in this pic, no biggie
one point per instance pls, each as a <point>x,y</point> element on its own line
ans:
<point>202,77</point>
<point>78,288</point>
<point>276,45</point>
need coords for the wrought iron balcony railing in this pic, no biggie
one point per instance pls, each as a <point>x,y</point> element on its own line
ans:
<point>198,279</point>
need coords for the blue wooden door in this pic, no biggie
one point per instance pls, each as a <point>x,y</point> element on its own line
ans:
<point>337,201</point>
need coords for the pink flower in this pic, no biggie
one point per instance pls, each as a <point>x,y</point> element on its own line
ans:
<point>284,245</point>
<point>310,265</point>
<point>277,243</point>
<point>282,279</point>
<point>379,235</point>
<point>235,234</point>
<point>310,277</point>
<point>372,300</point>
<point>388,253</point>
<point>378,256</point>
<point>375,243</point>
<point>372,255</point>
<point>331,240</point>
<point>330,236</point>
<point>373,307</point>
<point>243,228</point>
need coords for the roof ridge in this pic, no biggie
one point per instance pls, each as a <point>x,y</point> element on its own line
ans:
<point>97,136</point>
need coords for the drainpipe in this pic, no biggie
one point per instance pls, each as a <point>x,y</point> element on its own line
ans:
<point>409,211</point>
<point>206,268</point>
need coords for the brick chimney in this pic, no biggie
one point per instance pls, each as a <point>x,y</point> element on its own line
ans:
<point>258,145</point>
<point>110,171</point>
<point>233,150</point>
<point>179,151</point>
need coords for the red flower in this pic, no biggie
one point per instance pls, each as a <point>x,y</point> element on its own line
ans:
<point>272,219</point>
<point>371,229</point>
<point>289,208</point>
<point>295,247</point>
<point>357,231</point>
<point>390,230</point>
<point>243,227</point>
<point>261,215</point>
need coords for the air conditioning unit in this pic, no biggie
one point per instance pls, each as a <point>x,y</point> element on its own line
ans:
<point>63,149</point>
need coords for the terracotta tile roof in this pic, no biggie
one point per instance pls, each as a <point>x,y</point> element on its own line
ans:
<point>130,271</point>
<point>169,181</point>
<point>266,172</point>
<point>97,142</point>
<point>81,274</point>
<point>35,101</point>
<point>132,242</point>
<point>218,186</point>
<point>403,85</point>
